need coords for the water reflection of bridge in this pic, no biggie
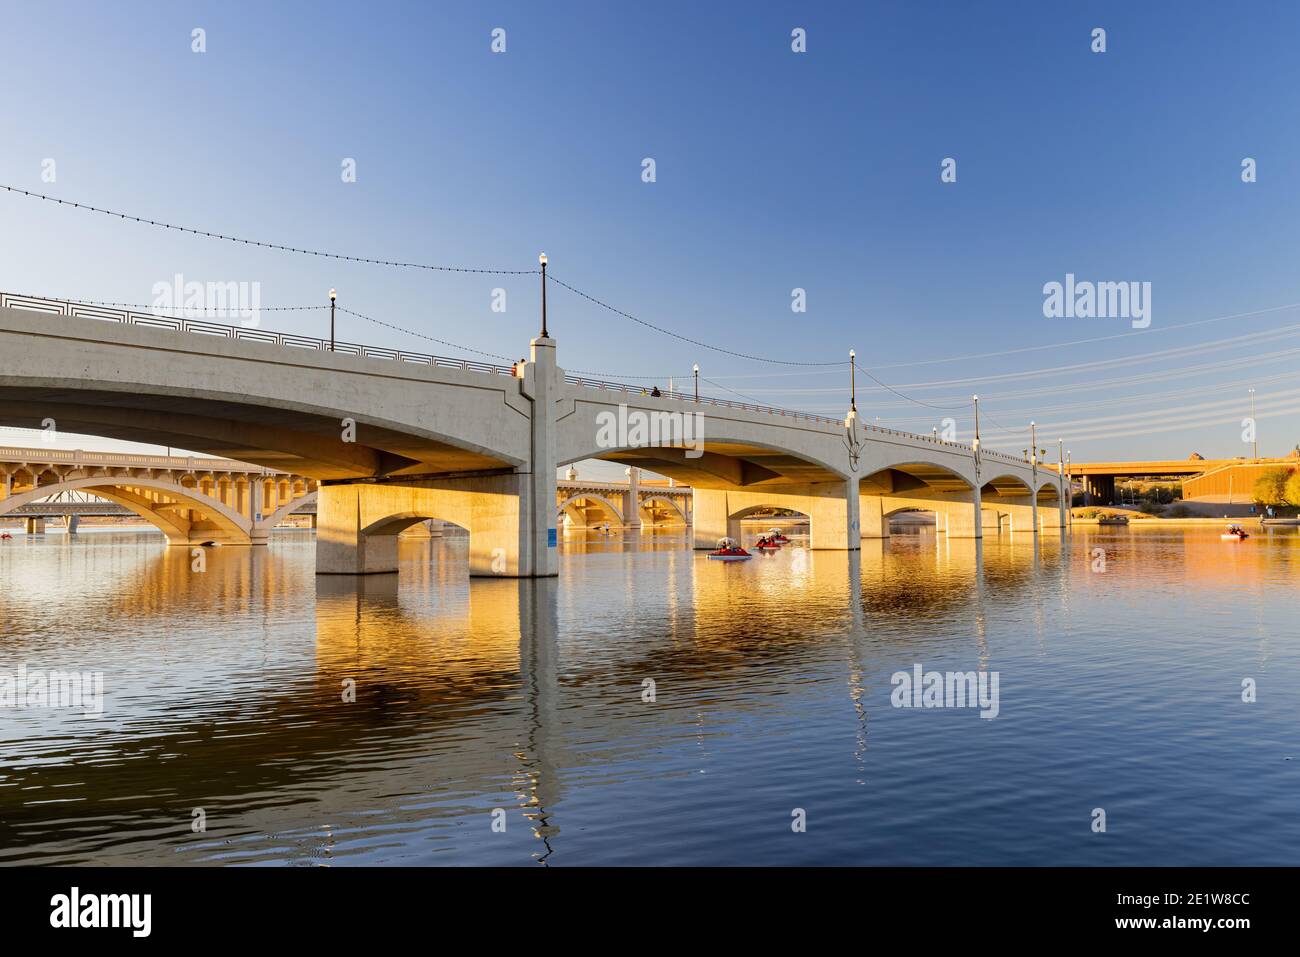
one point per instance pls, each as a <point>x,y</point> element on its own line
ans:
<point>477,690</point>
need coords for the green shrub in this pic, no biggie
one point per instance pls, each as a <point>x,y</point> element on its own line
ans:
<point>1271,487</point>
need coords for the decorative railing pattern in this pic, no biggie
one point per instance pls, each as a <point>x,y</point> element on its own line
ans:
<point>127,460</point>
<point>81,310</point>
<point>640,391</point>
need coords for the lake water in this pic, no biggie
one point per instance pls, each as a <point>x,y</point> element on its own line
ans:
<point>1119,687</point>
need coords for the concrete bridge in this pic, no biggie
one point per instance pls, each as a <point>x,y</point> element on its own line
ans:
<point>394,438</point>
<point>586,504</point>
<point>191,500</point>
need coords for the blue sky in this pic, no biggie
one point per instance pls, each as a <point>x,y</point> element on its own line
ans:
<point>775,170</point>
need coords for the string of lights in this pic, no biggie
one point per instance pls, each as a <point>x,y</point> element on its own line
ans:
<point>668,332</point>
<point>264,245</point>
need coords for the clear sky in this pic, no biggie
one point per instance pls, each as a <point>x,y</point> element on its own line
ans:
<point>775,170</point>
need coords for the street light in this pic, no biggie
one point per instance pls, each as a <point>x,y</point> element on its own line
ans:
<point>695,370</point>
<point>853,381</point>
<point>333,295</point>
<point>542,259</point>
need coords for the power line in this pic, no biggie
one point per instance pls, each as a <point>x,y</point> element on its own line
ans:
<point>253,242</point>
<point>421,335</point>
<point>1079,342</point>
<point>675,335</point>
<point>941,408</point>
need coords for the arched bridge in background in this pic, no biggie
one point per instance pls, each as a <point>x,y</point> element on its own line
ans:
<point>191,500</point>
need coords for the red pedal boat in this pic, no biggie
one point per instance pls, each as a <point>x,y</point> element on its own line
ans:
<point>729,550</point>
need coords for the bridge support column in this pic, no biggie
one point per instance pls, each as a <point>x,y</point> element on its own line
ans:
<point>73,522</point>
<point>710,513</point>
<point>358,525</point>
<point>34,526</point>
<point>965,519</point>
<point>874,521</point>
<point>1052,516</point>
<point>541,385</point>
<point>632,500</point>
<point>1022,513</point>
<point>832,508</point>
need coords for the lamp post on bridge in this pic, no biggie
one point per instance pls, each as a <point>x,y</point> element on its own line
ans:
<point>695,370</point>
<point>1069,478</point>
<point>1033,470</point>
<point>542,259</point>
<point>853,381</point>
<point>333,295</point>
<point>1060,470</point>
<point>975,446</point>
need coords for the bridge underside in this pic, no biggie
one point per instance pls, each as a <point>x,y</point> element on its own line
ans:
<point>726,465</point>
<point>276,438</point>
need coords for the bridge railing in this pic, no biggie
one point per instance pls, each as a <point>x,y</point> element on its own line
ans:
<point>128,460</point>
<point>641,392</point>
<point>203,327</point>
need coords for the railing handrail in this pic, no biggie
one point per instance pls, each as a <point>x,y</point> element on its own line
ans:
<point>679,396</point>
<point>126,459</point>
<point>83,310</point>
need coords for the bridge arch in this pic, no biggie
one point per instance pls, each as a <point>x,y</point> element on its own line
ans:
<point>672,504</point>
<point>569,507</point>
<point>916,476</point>
<point>219,523</point>
<point>284,511</point>
<point>1005,484</point>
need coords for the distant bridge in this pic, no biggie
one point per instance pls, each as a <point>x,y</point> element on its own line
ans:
<point>1098,478</point>
<point>395,438</point>
<point>586,504</point>
<point>191,500</point>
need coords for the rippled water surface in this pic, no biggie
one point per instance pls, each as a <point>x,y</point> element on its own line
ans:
<point>1118,689</point>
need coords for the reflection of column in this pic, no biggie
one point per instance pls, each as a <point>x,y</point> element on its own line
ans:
<point>538,627</point>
